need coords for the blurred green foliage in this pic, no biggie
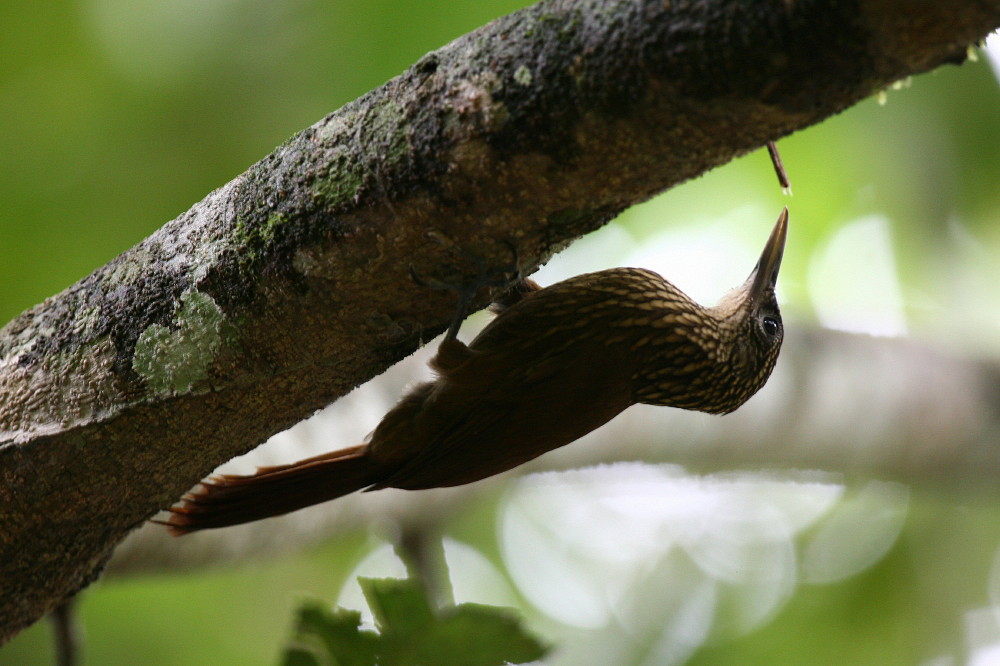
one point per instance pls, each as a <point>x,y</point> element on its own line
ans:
<point>411,632</point>
<point>115,116</point>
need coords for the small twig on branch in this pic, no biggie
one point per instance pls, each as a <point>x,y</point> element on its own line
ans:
<point>779,167</point>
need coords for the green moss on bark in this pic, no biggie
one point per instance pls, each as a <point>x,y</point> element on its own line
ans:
<point>173,360</point>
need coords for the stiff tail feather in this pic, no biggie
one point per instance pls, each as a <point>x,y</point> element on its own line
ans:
<point>221,501</point>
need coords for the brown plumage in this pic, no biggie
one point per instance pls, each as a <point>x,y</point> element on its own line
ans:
<point>553,365</point>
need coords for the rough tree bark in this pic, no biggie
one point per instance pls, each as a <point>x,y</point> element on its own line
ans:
<point>288,286</point>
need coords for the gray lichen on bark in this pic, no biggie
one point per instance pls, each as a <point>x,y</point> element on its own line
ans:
<point>288,286</point>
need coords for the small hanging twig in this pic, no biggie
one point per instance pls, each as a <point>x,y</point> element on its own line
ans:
<point>779,168</point>
<point>67,633</point>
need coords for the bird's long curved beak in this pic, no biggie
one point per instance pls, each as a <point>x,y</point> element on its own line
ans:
<point>765,274</point>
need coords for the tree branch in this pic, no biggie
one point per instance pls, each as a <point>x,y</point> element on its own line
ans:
<point>288,286</point>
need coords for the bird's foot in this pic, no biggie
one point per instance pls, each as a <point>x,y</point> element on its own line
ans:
<point>487,277</point>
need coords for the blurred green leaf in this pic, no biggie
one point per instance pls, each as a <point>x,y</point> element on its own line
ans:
<point>477,635</point>
<point>412,633</point>
<point>300,656</point>
<point>337,631</point>
<point>400,607</point>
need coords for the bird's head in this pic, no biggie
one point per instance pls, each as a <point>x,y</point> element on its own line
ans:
<point>750,322</point>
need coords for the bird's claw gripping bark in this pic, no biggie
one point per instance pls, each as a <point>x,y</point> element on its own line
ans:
<point>501,277</point>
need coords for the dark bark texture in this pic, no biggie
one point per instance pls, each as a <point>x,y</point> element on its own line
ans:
<point>288,286</point>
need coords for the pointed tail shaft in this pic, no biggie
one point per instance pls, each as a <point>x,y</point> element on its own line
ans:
<point>231,500</point>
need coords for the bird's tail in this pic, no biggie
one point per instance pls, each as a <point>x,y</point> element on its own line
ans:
<point>226,500</point>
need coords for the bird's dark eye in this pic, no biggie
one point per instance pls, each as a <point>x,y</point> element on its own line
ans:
<point>770,326</point>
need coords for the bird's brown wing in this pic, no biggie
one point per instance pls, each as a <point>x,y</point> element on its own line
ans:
<point>537,377</point>
<point>533,409</point>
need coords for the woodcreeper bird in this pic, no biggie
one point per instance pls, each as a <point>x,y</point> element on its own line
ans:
<point>555,363</point>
